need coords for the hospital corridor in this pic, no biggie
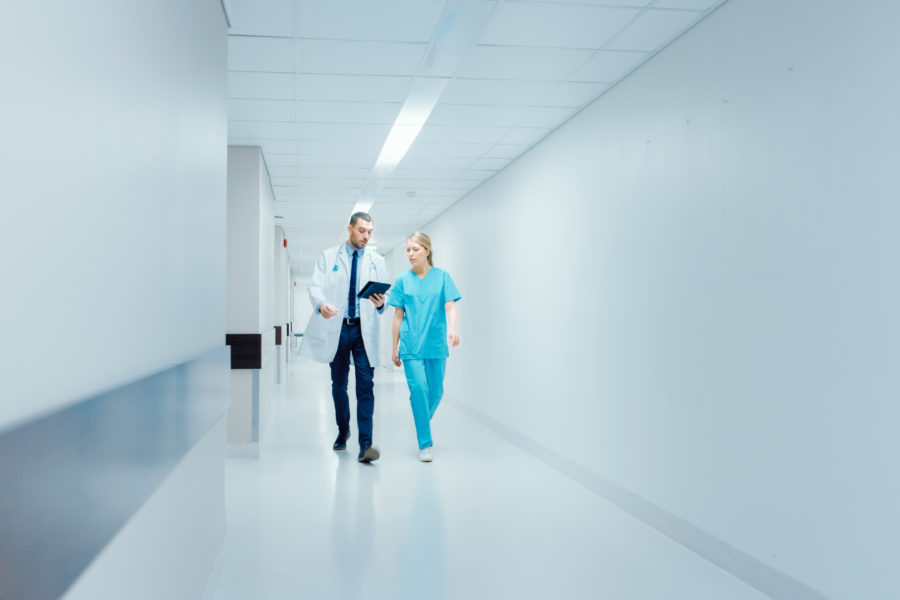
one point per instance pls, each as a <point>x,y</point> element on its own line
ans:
<point>450,300</point>
<point>486,519</point>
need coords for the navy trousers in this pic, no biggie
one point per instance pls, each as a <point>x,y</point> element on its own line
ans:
<point>352,342</point>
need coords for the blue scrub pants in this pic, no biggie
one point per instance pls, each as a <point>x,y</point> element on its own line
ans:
<point>425,378</point>
<point>351,341</point>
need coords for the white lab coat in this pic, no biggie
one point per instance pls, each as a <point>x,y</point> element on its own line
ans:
<point>330,285</point>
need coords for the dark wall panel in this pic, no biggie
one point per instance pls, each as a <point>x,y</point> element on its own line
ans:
<point>70,480</point>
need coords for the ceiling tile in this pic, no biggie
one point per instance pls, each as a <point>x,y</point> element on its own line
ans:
<point>478,174</point>
<point>293,206</point>
<point>436,162</point>
<point>547,117</point>
<point>441,185</point>
<point>525,135</point>
<point>688,4</point>
<point>358,58</point>
<point>554,25</point>
<point>434,149</point>
<point>462,134</point>
<point>491,163</point>
<point>283,160</point>
<point>280,190</point>
<point>261,17</point>
<point>282,171</point>
<point>341,148</point>
<point>633,3</point>
<point>282,182</point>
<point>400,197</point>
<point>262,130</point>
<point>499,93</point>
<point>420,174</point>
<point>370,88</point>
<point>574,94</point>
<point>321,197</point>
<point>351,161</point>
<point>336,183</point>
<point>387,20</point>
<point>478,116</point>
<point>270,147</point>
<point>507,150</point>
<point>654,28</point>
<point>260,54</point>
<point>321,229</point>
<point>260,110</point>
<point>347,132</point>
<point>271,86</point>
<point>503,62</point>
<point>392,199</point>
<point>420,189</point>
<point>608,66</point>
<point>347,190</point>
<point>432,210</point>
<point>347,112</point>
<point>324,204</point>
<point>455,35</point>
<point>335,172</point>
<point>399,215</point>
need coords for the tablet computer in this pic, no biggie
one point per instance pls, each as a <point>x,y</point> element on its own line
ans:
<point>373,287</point>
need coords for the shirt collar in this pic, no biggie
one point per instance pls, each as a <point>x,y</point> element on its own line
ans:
<point>350,250</point>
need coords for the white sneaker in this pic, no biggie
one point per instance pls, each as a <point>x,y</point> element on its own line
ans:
<point>425,454</point>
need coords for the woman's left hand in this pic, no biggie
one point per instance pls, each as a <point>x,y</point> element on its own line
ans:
<point>454,339</point>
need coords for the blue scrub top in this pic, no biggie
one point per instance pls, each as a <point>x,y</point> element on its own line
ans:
<point>423,332</point>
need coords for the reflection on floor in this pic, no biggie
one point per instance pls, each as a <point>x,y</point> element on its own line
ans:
<point>484,520</point>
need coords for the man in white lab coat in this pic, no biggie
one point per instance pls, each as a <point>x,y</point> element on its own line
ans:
<point>342,325</point>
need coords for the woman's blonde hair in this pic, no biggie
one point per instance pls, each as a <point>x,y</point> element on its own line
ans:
<point>424,241</point>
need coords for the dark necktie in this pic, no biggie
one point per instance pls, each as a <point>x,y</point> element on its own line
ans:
<point>351,294</point>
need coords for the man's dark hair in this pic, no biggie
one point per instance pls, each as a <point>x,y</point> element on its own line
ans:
<point>360,215</point>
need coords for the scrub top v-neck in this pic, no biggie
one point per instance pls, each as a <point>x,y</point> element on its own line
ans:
<point>423,332</point>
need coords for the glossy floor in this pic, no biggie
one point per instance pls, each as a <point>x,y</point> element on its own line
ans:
<point>484,520</point>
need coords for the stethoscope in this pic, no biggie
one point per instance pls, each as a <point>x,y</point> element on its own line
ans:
<point>337,258</point>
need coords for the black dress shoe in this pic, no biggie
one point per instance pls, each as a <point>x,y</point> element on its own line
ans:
<point>367,454</point>
<point>340,443</point>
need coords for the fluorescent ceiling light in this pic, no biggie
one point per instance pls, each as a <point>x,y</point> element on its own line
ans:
<point>457,31</point>
<point>421,101</point>
<point>398,142</point>
<point>363,204</point>
<point>416,109</point>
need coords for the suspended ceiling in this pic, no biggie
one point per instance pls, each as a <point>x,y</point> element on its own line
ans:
<point>319,84</point>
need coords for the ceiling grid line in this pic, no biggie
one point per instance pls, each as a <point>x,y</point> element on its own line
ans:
<point>321,116</point>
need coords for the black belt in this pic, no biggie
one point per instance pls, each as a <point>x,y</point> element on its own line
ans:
<point>351,321</point>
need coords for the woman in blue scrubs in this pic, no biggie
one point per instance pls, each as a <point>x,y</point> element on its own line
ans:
<point>424,300</point>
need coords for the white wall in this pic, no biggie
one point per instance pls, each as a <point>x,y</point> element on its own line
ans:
<point>243,300</point>
<point>168,548</point>
<point>112,241</point>
<point>281,277</point>
<point>281,282</point>
<point>266,254</point>
<point>691,288</point>
<point>251,296</point>
<point>113,230</point>
<point>251,236</point>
